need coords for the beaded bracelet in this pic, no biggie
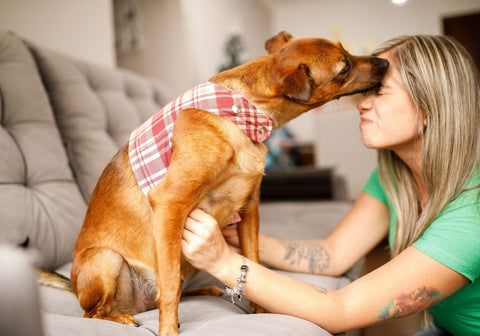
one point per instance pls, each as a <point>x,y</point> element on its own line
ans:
<point>239,289</point>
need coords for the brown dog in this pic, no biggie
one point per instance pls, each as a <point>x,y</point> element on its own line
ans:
<point>127,258</point>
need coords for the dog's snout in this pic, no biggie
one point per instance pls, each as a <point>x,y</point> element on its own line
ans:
<point>381,64</point>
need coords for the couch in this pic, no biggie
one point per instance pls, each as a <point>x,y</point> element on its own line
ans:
<point>62,119</point>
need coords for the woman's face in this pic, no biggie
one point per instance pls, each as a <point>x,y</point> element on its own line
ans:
<point>388,117</point>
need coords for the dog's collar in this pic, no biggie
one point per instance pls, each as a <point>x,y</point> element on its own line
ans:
<point>225,103</point>
<point>149,147</point>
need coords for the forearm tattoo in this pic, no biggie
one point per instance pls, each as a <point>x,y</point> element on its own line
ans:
<point>320,290</point>
<point>313,252</point>
<point>406,304</point>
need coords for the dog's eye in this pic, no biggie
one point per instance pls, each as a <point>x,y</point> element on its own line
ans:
<point>345,68</point>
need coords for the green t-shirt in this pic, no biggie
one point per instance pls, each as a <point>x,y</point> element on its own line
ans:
<point>452,239</point>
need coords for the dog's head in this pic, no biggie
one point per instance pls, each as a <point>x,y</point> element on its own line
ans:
<point>312,71</point>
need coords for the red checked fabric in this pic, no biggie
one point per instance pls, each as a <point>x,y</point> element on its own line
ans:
<point>150,144</point>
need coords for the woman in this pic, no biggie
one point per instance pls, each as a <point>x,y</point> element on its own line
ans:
<point>424,121</point>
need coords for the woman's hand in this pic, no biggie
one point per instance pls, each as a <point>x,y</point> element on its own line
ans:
<point>203,245</point>
<point>230,233</point>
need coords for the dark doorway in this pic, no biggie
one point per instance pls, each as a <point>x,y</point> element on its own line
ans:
<point>466,29</point>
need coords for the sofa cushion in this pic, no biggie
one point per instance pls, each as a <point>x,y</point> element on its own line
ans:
<point>96,108</point>
<point>199,315</point>
<point>40,203</point>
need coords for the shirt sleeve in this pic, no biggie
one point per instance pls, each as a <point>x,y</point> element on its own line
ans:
<point>453,238</point>
<point>374,188</point>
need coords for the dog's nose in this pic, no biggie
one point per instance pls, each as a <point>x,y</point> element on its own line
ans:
<point>381,64</point>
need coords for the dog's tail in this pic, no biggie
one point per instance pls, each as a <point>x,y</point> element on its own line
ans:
<point>54,280</point>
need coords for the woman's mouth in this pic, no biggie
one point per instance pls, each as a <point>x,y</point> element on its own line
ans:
<point>365,121</point>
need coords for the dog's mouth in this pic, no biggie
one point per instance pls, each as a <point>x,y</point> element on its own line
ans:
<point>359,90</point>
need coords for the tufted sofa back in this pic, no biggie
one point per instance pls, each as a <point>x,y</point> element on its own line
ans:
<point>61,122</point>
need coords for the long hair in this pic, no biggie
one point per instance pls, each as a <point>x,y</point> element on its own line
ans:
<point>443,83</point>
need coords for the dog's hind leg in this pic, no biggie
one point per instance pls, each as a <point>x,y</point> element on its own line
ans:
<point>97,285</point>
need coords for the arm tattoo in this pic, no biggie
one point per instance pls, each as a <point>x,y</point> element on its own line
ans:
<point>313,252</point>
<point>406,304</point>
<point>320,290</point>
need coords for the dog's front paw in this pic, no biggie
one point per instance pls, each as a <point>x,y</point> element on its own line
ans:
<point>123,319</point>
<point>256,309</point>
<point>168,332</point>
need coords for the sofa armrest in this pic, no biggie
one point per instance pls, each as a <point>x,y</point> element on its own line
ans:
<point>19,304</point>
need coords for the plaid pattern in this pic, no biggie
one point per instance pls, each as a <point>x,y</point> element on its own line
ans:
<point>150,144</point>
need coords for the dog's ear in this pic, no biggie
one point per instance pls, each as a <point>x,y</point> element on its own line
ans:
<point>277,42</point>
<point>297,85</point>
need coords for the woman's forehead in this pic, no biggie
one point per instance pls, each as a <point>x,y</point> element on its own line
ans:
<point>392,75</point>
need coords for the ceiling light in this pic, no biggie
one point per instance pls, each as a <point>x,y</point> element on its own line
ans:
<point>399,2</point>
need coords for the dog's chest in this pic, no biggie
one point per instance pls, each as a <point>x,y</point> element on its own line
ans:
<point>150,144</point>
<point>235,187</point>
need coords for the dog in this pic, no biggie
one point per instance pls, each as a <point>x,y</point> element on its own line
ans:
<point>127,258</point>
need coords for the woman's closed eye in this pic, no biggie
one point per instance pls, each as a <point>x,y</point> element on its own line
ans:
<point>377,90</point>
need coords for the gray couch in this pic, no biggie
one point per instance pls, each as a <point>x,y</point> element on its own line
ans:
<point>61,121</point>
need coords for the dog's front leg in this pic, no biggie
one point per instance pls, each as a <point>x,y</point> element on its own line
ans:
<point>248,233</point>
<point>249,226</point>
<point>170,210</point>
<point>199,157</point>
<point>167,231</point>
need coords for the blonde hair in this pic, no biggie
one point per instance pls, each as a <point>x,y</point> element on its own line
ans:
<point>443,83</point>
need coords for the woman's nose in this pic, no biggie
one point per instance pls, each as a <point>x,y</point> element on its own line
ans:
<point>365,102</point>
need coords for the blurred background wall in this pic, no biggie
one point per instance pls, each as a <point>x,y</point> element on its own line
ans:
<point>182,43</point>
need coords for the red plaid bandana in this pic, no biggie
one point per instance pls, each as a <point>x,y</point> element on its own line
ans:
<point>149,147</point>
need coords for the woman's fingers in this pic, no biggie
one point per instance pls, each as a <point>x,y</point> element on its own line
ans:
<point>202,242</point>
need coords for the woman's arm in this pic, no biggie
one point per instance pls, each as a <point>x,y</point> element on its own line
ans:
<point>364,226</point>
<point>409,283</point>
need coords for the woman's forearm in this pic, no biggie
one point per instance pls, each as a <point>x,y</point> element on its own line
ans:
<point>281,294</point>
<point>409,283</point>
<point>383,293</point>
<point>305,256</point>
